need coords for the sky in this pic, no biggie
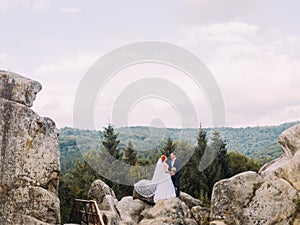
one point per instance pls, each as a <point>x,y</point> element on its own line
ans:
<point>251,47</point>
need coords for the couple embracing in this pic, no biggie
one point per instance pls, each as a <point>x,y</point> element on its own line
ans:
<point>165,182</point>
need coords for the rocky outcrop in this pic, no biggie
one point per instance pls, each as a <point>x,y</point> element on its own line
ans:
<point>136,195</point>
<point>16,88</point>
<point>106,200</point>
<point>29,160</point>
<point>268,197</point>
<point>133,211</point>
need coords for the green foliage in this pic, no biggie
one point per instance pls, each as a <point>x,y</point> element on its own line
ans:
<point>257,142</point>
<point>238,163</point>
<point>193,180</point>
<point>76,177</point>
<point>130,155</point>
<point>168,147</point>
<point>74,185</point>
<point>218,169</point>
<point>111,142</point>
<point>73,143</point>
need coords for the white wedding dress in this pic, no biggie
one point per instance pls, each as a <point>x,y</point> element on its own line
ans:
<point>161,185</point>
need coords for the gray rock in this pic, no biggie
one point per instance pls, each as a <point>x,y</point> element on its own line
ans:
<point>270,197</point>
<point>98,190</point>
<point>230,196</point>
<point>106,200</point>
<point>18,89</point>
<point>201,215</point>
<point>136,195</point>
<point>217,223</point>
<point>170,211</point>
<point>29,159</point>
<point>289,141</point>
<point>189,200</point>
<point>131,209</point>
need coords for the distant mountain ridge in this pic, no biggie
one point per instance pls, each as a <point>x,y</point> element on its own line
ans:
<point>259,142</point>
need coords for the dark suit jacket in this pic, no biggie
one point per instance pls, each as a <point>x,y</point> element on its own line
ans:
<point>177,165</point>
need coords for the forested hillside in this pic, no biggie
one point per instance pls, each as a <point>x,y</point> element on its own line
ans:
<point>259,142</point>
<point>205,162</point>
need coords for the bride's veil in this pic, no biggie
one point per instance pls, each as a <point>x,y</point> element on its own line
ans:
<point>158,172</point>
<point>146,188</point>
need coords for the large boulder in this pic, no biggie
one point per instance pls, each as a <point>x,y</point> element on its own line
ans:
<point>170,211</point>
<point>189,200</point>
<point>201,215</point>
<point>106,200</point>
<point>136,195</point>
<point>131,209</point>
<point>268,197</point>
<point>99,190</point>
<point>18,89</point>
<point>29,156</point>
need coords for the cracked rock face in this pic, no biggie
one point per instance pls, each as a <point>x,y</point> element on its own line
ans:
<point>29,159</point>
<point>271,196</point>
<point>18,89</point>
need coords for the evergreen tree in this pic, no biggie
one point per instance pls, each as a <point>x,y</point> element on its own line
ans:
<point>75,185</point>
<point>219,167</point>
<point>193,180</point>
<point>130,155</point>
<point>168,147</point>
<point>111,142</point>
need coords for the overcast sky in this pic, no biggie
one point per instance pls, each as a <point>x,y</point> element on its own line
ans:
<point>252,48</point>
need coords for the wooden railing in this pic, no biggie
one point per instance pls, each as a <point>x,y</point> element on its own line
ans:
<point>86,212</point>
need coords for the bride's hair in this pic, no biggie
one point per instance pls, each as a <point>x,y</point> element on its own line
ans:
<point>163,158</point>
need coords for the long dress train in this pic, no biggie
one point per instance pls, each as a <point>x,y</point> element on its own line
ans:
<point>161,185</point>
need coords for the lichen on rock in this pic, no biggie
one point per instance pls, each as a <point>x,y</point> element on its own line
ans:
<point>29,159</point>
<point>267,197</point>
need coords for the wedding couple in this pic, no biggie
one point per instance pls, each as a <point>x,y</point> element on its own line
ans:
<point>165,182</point>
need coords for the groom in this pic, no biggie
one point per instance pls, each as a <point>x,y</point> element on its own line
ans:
<point>175,169</point>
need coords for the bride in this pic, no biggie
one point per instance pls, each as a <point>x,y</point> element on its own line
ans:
<point>161,185</point>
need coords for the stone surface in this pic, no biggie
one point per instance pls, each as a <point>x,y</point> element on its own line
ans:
<point>201,215</point>
<point>217,223</point>
<point>145,199</point>
<point>29,160</point>
<point>18,89</point>
<point>172,211</point>
<point>289,141</point>
<point>106,200</point>
<point>270,197</point>
<point>189,200</point>
<point>131,209</point>
<point>98,190</point>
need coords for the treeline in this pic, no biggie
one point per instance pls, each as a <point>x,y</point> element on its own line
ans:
<point>260,142</point>
<point>205,163</point>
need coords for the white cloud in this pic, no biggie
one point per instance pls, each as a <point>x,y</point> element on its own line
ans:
<point>152,107</point>
<point>215,11</point>
<point>3,56</point>
<point>60,81</point>
<point>41,5</point>
<point>257,70</point>
<point>228,33</point>
<point>70,10</point>
<point>38,5</point>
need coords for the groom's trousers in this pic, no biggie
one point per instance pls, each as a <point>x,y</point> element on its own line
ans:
<point>176,182</point>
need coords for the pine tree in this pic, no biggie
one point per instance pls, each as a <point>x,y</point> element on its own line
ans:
<point>168,147</point>
<point>130,155</point>
<point>111,142</point>
<point>193,180</point>
<point>219,167</point>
